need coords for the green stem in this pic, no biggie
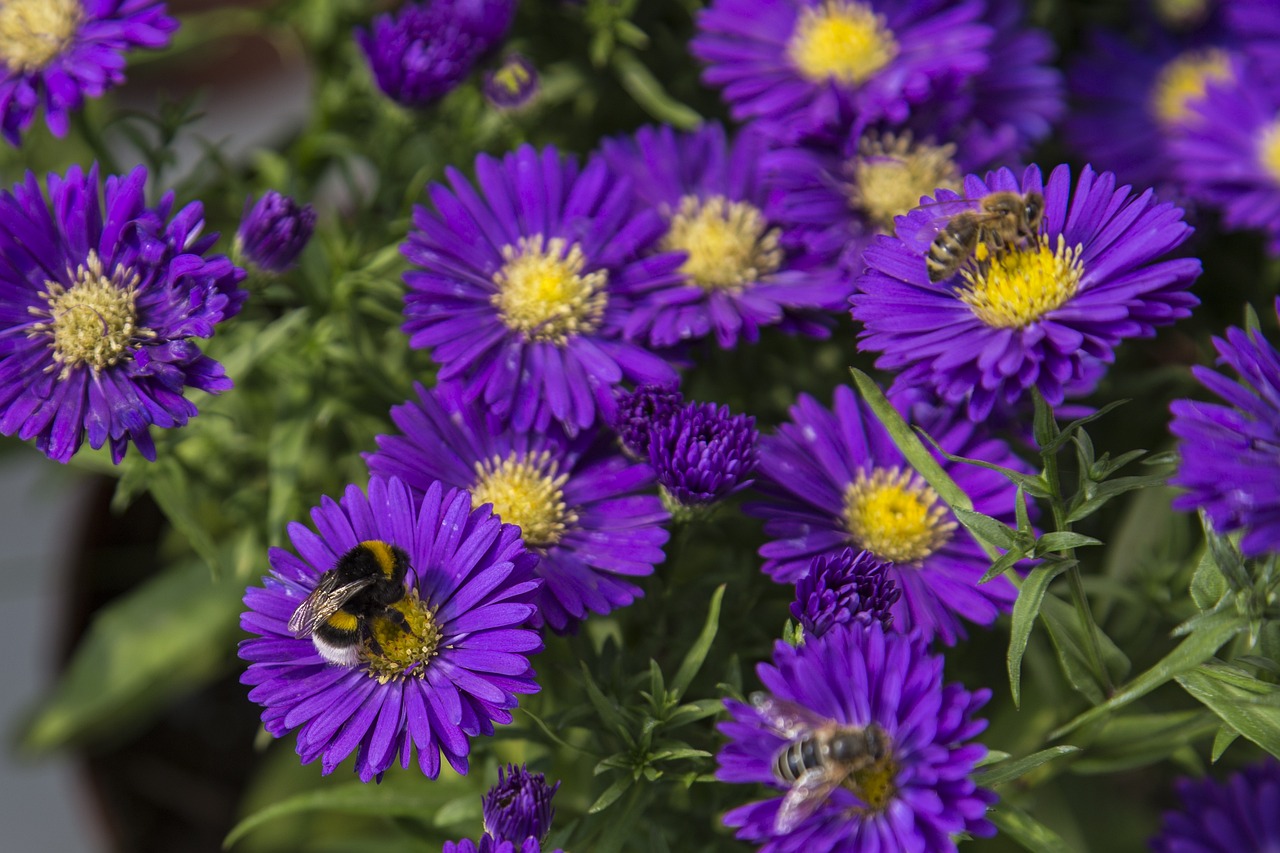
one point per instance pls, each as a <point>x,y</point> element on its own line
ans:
<point>1078,598</point>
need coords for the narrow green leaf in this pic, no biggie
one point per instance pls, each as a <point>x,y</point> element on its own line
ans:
<point>1188,654</point>
<point>1106,492</point>
<point>1137,740</point>
<point>1044,426</point>
<point>649,94</point>
<point>606,708</point>
<point>986,529</point>
<point>349,798</point>
<point>692,712</point>
<point>1070,429</point>
<point>1005,563</point>
<point>1026,830</point>
<point>1242,710</point>
<point>1025,611</point>
<point>1064,540</point>
<point>1070,644</point>
<point>1033,483</point>
<point>1208,584</point>
<point>1223,739</point>
<point>611,794</point>
<point>698,651</point>
<point>169,635</point>
<point>1007,771</point>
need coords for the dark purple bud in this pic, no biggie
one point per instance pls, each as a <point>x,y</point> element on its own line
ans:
<point>849,587</point>
<point>274,231</point>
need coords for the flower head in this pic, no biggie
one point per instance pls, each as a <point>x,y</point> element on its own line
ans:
<point>57,52</point>
<point>703,454</point>
<point>915,792</point>
<point>1230,157</point>
<point>424,51</point>
<point>512,84</point>
<point>581,505</point>
<point>519,806</point>
<point>102,298</point>
<point>1255,26</point>
<point>642,411</point>
<point>814,67</point>
<point>522,293</point>
<point>1230,454</point>
<point>274,231</point>
<point>736,277</point>
<point>848,587</point>
<point>833,479</point>
<point>1242,813</point>
<point>1043,311</point>
<point>443,669</point>
<point>489,845</point>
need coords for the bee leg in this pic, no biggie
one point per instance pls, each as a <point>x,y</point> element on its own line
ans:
<point>371,642</point>
<point>401,622</point>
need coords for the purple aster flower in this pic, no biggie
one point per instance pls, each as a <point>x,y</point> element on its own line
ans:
<point>848,587</point>
<point>424,51</point>
<point>736,277</point>
<point>640,412</point>
<point>1255,24</point>
<point>445,669</point>
<point>833,479</point>
<point>57,52</point>
<point>523,293</point>
<point>1231,453</point>
<point>519,806</point>
<point>1242,813</point>
<point>812,67</point>
<point>488,845</point>
<point>512,84</point>
<point>1130,100</point>
<point>1230,158</point>
<point>703,454</point>
<point>274,231</point>
<point>581,506</point>
<point>1041,313</point>
<point>101,298</point>
<point>915,793</point>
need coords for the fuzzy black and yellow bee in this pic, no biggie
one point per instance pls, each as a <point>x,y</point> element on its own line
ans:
<point>1001,220</point>
<point>361,587</point>
<point>819,755</point>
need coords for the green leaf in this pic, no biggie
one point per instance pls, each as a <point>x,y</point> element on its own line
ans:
<point>1137,740</point>
<point>1026,830</point>
<point>348,798</point>
<point>1223,739</point>
<point>608,710</point>
<point>649,94</point>
<point>1254,715</point>
<point>1106,492</point>
<point>1208,584</point>
<point>1005,563</point>
<point>1064,540</point>
<point>1007,771</point>
<point>1070,643</point>
<point>1025,611</point>
<point>1070,429</point>
<point>698,651</point>
<point>987,529</point>
<point>692,712</point>
<point>1044,425</point>
<point>611,794</point>
<point>168,636</point>
<point>1190,653</point>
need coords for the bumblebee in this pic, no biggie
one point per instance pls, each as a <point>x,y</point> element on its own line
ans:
<point>1002,219</point>
<point>363,585</point>
<point>819,755</point>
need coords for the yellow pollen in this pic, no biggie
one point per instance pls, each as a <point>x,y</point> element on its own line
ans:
<point>891,173</point>
<point>542,292</point>
<point>403,648</point>
<point>1015,288</point>
<point>527,492</point>
<point>727,243</point>
<point>513,77</point>
<point>1183,81</point>
<point>895,515</point>
<point>875,785</point>
<point>842,41</point>
<point>1269,149</point>
<point>32,32</point>
<point>92,322</point>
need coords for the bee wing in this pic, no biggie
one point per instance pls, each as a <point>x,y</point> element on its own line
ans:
<point>804,797</point>
<point>787,718</point>
<point>323,602</point>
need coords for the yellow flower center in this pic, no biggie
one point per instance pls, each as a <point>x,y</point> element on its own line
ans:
<point>542,292</point>
<point>405,646</point>
<point>891,173</point>
<point>842,41</point>
<point>513,77</point>
<point>727,243</point>
<point>895,515</point>
<point>875,784</point>
<point>32,32</point>
<point>1183,81</point>
<point>527,492</point>
<point>1015,288</point>
<point>1269,149</point>
<point>92,322</point>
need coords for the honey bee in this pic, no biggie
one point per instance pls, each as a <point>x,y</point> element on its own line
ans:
<point>1001,219</point>
<point>819,755</point>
